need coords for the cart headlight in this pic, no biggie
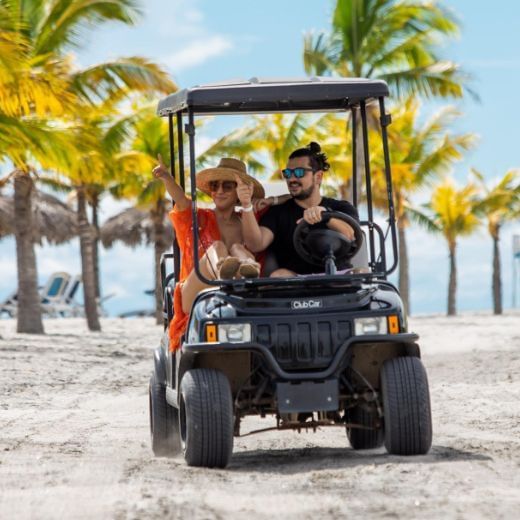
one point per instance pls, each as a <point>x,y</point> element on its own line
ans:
<point>377,325</point>
<point>228,332</point>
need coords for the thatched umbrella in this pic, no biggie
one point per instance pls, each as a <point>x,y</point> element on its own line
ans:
<point>133,227</point>
<point>52,219</point>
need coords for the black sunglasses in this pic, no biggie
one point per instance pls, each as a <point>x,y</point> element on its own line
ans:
<point>297,172</point>
<point>226,185</point>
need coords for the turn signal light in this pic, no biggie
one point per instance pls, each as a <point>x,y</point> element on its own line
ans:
<point>393,324</point>
<point>211,333</point>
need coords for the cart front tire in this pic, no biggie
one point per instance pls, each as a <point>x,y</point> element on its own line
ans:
<point>406,404</point>
<point>206,418</point>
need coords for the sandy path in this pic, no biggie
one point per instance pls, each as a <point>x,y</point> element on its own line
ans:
<point>74,441</point>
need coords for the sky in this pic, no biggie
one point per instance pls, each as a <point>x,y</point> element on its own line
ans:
<point>202,41</point>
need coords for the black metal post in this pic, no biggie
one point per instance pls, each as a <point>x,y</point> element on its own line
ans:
<point>385,120</point>
<point>368,183</point>
<point>180,145</point>
<point>190,130</point>
<point>176,251</point>
<point>354,157</point>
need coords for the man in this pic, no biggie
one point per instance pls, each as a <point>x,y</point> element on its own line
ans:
<point>304,174</point>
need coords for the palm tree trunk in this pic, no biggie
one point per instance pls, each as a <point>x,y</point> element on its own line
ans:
<point>29,316</point>
<point>159,247</point>
<point>95,245</point>
<point>497,276</point>
<point>404,267</point>
<point>452,287</point>
<point>87,265</point>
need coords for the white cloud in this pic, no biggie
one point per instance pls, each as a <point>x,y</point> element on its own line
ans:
<point>198,52</point>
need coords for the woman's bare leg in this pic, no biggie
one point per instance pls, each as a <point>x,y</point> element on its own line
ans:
<point>208,268</point>
<point>282,273</point>
<point>241,252</point>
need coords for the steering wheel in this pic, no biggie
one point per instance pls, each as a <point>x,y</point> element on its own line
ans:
<point>314,245</point>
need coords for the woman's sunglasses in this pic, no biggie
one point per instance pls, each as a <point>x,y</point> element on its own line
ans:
<point>226,185</point>
<point>297,172</point>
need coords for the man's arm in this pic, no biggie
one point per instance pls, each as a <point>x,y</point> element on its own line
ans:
<point>256,238</point>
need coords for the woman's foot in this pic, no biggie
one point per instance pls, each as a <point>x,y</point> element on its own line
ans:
<point>249,269</point>
<point>228,267</point>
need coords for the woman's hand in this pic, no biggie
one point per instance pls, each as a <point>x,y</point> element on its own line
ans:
<point>244,192</point>
<point>160,171</point>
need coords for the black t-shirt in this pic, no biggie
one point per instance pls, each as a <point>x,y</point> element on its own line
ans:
<point>281,220</point>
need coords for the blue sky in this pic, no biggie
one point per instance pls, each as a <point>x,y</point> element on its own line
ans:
<point>201,41</point>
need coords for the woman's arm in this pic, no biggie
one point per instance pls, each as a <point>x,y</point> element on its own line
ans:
<point>174,190</point>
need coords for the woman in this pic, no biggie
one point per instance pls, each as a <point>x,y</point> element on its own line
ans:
<point>221,250</point>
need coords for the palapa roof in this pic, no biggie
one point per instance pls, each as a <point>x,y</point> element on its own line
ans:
<point>133,227</point>
<point>52,218</point>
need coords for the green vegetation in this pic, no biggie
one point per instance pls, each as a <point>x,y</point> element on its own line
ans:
<point>91,131</point>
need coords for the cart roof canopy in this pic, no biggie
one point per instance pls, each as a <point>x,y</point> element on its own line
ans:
<point>264,95</point>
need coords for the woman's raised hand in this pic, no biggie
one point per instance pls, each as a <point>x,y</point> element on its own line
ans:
<point>160,171</point>
<point>244,192</point>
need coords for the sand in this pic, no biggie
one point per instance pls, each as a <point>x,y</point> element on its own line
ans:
<point>75,440</point>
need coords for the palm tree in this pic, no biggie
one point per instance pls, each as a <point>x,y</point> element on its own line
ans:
<point>266,141</point>
<point>44,83</point>
<point>500,203</point>
<point>393,40</point>
<point>452,213</point>
<point>419,155</point>
<point>134,180</point>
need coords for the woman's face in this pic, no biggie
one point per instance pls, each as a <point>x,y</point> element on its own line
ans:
<point>223,193</point>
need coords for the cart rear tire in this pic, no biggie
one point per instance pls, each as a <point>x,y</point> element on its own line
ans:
<point>406,404</point>
<point>359,438</point>
<point>206,418</point>
<point>164,422</point>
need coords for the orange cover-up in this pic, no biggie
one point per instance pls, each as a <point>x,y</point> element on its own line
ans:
<point>208,233</point>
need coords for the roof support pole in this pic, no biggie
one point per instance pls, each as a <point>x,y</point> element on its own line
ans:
<point>180,144</point>
<point>190,130</point>
<point>368,184</point>
<point>176,251</point>
<point>354,157</point>
<point>385,120</point>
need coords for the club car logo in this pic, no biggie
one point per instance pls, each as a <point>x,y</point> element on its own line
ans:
<point>306,304</point>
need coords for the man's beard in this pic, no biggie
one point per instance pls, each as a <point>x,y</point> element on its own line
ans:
<point>304,194</point>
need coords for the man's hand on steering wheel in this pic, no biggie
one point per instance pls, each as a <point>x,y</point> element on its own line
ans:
<point>313,215</point>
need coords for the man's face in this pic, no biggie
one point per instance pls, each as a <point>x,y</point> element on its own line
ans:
<point>303,188</point>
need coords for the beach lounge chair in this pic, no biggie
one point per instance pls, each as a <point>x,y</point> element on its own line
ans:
<point>51,293</point>
<point>57,298</point>
<point>65,305</point>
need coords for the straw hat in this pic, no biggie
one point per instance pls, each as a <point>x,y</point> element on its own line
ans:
<point>226,170</point>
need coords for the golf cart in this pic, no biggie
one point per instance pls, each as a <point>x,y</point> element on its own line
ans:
<point>306,352</point>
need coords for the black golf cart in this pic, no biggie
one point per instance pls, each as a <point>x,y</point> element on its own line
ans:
<point>309,351</point>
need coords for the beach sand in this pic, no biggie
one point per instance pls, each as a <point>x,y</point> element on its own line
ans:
<point>75,438</point>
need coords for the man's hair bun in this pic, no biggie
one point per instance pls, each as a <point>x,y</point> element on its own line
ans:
<point>314,147</point>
